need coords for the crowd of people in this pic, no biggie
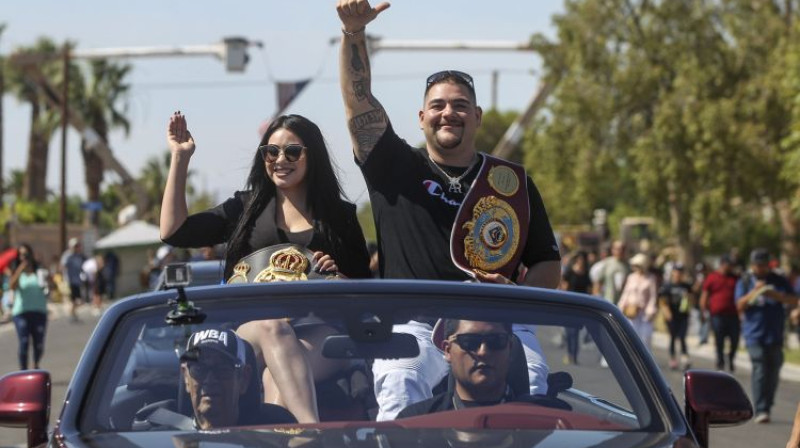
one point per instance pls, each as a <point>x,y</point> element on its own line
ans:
<point>737,300</point>
<point>293,195</point>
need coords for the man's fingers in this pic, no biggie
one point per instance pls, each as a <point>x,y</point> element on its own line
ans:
<point>347,7</point>
<point>382,7</point>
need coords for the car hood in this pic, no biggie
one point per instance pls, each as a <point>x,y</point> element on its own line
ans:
<point>366,437</point>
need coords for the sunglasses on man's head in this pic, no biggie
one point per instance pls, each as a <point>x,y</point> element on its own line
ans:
<point>291,152</point>
<point>472,342</point>
<point>445,74</point>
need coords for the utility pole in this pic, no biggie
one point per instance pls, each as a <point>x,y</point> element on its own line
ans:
<point>495,76</point>
<point>516,131</point>
<point>2,149</point>
<point>62,221</point>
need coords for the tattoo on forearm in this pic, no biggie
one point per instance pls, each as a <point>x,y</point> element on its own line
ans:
<point>360,89</point>
<point>366,130</point>
<point>365,142</point>
<point>367,119</point>
<point>375,103</point>
<point>355,60</point>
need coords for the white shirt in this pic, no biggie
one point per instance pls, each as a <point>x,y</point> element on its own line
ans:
<point>402,382</point>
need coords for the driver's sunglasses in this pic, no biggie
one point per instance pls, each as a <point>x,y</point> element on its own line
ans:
<point>452,74</point>
<point>291,152</point>
<point>472,342</point>
<point>200,371</point>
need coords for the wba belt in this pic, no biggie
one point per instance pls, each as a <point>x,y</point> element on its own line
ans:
<point>282,262</point>
<point>491,226</point>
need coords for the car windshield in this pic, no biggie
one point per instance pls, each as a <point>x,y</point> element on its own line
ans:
<point>357,339</point>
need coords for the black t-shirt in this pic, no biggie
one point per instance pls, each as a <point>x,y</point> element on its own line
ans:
<point>414,213</point>
<point>216,225</point>
<point>577,282</point>
<point>676,296</point>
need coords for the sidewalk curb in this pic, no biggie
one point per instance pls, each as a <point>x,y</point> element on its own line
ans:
<point>789,371</point>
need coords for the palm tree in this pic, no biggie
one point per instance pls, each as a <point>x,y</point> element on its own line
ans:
<point>2,93</point>
<point>103,106</point>
<point>152,178</point>
<point>44,120</point>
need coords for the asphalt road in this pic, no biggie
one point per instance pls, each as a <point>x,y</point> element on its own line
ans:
<point>65,342</point>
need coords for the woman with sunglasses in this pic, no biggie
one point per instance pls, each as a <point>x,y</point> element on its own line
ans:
<point>292,195</point>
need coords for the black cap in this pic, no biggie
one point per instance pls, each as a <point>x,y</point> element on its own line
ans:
<point>759,256</point>
<point>223,341</point>
<point>677,267</point>
<point>726,259</point>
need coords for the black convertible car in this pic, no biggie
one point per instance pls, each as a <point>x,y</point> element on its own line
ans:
<point>615,396</point>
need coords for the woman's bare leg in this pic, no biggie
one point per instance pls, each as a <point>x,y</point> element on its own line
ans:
<point>287,367</point>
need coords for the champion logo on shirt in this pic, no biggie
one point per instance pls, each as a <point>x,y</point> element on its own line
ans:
<point>435,189</point>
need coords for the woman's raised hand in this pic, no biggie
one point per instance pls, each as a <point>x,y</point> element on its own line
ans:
<point>179,139</point>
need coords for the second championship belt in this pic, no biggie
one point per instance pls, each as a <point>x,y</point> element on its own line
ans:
<point>491,226</point>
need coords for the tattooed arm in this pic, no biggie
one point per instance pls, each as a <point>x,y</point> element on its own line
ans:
<point>366,118</point>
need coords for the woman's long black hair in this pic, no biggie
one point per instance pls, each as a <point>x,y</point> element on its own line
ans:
<point>31,258</point>
<point>323,189</point>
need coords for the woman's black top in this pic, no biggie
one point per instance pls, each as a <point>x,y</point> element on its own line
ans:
<point>216,225</point>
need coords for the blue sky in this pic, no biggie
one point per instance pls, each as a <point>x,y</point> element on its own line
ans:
<point>225,110</point>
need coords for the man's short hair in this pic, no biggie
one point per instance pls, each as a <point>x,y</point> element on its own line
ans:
<point>451,326</point>
<point>222,341</point>
<point>759,256</point>
<point>451,76</point>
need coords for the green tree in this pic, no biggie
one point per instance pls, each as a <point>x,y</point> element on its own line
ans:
<point>493,125</point>
<point>44,120</point>
<point>662,106</point>
<point>103,104</point>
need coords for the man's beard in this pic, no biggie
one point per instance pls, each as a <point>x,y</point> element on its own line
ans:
<point>450,144</point>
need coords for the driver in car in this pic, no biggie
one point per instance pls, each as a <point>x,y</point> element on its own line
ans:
<point>479,354</point>
<point>216,377</point>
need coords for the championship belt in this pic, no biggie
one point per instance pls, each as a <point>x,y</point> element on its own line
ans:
<point>491,226</point>
<point>279,263</point>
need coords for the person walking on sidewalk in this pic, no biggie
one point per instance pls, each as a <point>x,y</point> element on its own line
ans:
<point>638,301</point>
<point>29,305</point>
<point>609,277</point>
<point>676,300</point>
<point>761,296</point>
<point>72,267</point>
<point>717,299</point>
<point>575,279</point>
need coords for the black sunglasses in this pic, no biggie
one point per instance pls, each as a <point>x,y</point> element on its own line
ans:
<point>291,152</point>
<point>460,77</point>
<point>200,371</point>
<point>471,342</point>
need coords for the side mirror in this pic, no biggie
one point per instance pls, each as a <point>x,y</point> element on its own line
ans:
<point>714,399</point>
<point>25,403</point>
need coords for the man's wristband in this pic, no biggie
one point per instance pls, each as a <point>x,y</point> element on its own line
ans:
<point>353,33</point>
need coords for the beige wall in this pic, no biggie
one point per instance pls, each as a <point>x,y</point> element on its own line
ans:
<point>43,238</point>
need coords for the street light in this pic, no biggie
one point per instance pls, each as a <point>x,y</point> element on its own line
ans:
<point>232,50</point>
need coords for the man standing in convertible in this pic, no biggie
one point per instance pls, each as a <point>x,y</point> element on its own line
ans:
<point>444,211</point>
